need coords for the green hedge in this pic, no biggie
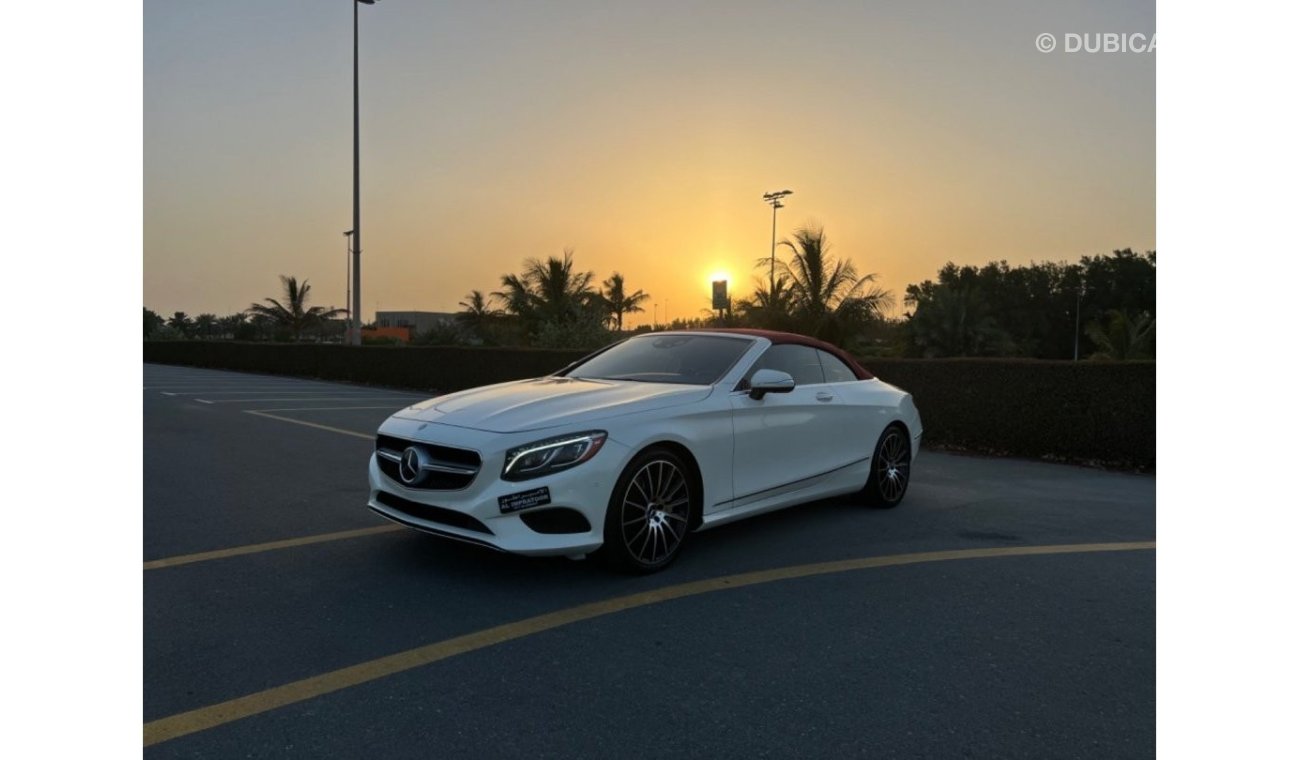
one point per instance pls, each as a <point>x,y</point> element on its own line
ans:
<point>1087,412</point>
<point>1100,413</point>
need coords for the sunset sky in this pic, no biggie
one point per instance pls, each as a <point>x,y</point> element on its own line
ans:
<point>640,134</point>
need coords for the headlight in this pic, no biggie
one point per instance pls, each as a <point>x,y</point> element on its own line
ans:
<point>551,455</point>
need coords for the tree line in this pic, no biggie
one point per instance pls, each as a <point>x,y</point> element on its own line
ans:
<point>285,318</point>
<point>550,304</point>
<point>1101,307</point>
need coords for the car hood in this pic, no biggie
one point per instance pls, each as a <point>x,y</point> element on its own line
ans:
<point>550,401</point>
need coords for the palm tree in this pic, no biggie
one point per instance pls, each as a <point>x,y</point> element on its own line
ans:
<point>952,320</point>
<point>1122,338</point>
<point>230,324</point>
<point>263,327</point>
<point>561,294</point>
<point>478,311</point>
<point>548,291</point>
<point>181,322</point>
<point>770,306</point>
<point>204,324</point>
<point>516,294</point>
<point>827,294</point>
<point>295,316</point>
<point>152,321</point>
<point>619,302</point>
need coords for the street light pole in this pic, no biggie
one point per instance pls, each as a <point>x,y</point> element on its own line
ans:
<point>347,286</point>
<point>356,175</point>
<point>774,200</point>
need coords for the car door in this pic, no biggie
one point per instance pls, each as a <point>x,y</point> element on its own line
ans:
<point>784,438</point>
<point>859,423</point>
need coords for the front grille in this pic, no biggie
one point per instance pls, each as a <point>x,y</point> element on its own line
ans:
<point>431,513</point>
<point>448,468</point>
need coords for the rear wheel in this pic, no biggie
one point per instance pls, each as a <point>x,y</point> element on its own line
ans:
<point>649,512</point>
<point>891,469</point>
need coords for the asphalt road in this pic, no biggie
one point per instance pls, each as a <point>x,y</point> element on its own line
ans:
<point>313,649</point>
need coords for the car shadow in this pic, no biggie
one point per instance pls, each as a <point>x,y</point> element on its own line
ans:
<point>718,551</point>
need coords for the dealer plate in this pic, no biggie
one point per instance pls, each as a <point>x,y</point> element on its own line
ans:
<point>524,499</point>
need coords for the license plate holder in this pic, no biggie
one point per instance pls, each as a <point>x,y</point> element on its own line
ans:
<point>515,502</point>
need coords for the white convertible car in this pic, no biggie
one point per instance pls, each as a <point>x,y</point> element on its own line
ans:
<point>632,448</point>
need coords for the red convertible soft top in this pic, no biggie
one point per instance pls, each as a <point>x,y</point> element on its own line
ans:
<point>778,338</point>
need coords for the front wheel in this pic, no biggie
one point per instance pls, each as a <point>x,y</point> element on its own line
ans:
<point>891,468</point>
<point>649,513</point>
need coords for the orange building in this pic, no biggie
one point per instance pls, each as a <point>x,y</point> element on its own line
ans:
<point>402,334</point>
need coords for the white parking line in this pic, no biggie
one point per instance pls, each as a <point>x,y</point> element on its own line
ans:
<point>228,379</point>
<point>241,381</point>
<point>304,423</point>
<point>219,386</point>
<point>327,408</point>
<point>358,393</point>
<point>265,400</point>
<point>250,380</point>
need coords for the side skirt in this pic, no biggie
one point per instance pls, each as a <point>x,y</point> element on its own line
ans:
<point>845,480</point>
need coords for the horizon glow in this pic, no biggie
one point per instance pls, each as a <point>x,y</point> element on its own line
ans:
<point>640,135</point>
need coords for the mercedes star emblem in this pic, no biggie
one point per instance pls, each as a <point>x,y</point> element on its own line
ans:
<point>410,467</point>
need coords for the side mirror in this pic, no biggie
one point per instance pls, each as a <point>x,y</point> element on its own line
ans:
<point>767,381</point>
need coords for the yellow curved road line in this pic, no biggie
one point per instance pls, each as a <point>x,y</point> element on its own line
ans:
<point>320,538</point>
<point>212,716</point>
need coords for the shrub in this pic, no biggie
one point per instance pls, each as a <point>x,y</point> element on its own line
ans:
<point>166,332</point>
<point>1088,412</point>
<point>445,334</point>
<point>585,334</point>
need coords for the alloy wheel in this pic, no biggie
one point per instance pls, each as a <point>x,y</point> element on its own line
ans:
<point>655,512</point>
<point>892,466</point>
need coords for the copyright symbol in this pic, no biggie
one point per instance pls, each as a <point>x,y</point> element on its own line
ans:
<point>1046,43</point>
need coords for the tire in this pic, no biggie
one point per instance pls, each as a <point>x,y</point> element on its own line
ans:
<point>891,469</point>
<point>649,514</point>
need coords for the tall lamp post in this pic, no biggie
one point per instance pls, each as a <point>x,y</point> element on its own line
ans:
<point>356,177</point>
<point>347,286</point>
<point>774,200</point>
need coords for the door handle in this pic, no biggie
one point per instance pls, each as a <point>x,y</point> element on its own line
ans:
<point>824,396</point>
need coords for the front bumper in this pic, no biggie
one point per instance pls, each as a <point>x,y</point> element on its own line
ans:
<point>585,489</point>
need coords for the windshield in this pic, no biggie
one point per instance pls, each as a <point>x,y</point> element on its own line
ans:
<point>686,359</point>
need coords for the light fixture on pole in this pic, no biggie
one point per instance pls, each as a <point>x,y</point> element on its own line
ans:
<point>356,176</point>
<point>774,200</point>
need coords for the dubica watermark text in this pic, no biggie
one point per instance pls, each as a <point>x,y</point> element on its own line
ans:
<point>1097,42</point>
